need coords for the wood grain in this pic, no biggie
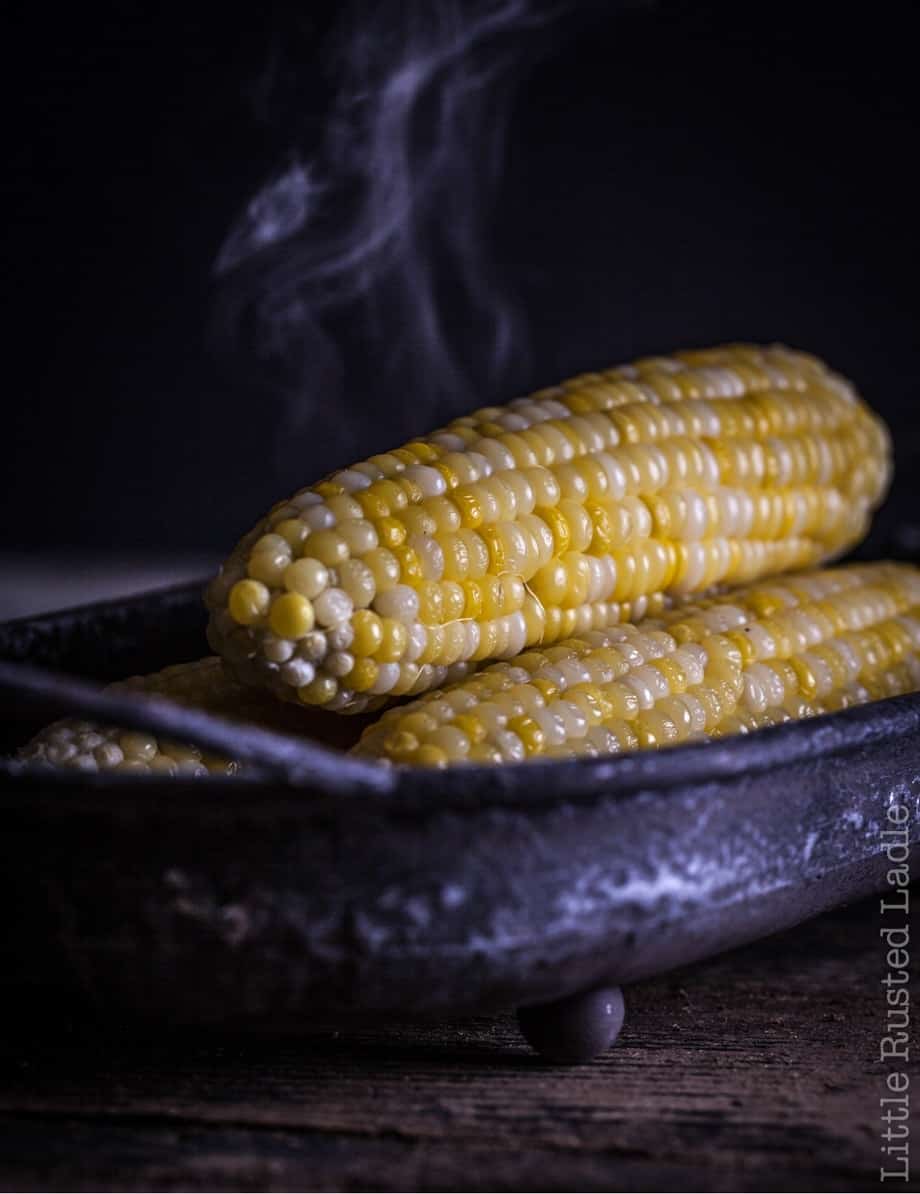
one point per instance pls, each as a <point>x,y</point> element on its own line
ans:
<point>754,1071</point>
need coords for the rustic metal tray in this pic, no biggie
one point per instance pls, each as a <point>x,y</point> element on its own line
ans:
<point>322,887</point>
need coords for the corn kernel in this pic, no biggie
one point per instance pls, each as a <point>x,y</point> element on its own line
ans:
<point>319,691</point>
<point>410,568</point>
<point>328,547</point>
<point>268,567</point>
<point>333,607</point>
<point>357,580</point>
<point>248,602</point>
<point>368,632</point>
<point>291,616</point>
<point>363,674</point>
<point>359,535</point>
<point>393,642</point>
<point>401,746</point>
<point>470,725</point>
<point>431,756</point>
<point>137,745</point>
<point>308,577</point>
<point>451,740</point>
<point>529,732</point>
<point>293,531</point>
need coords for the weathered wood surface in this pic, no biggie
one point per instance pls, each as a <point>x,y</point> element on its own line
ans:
<point>755,1071</point>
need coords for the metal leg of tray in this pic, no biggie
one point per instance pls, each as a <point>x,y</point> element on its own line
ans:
<point>574,1029</point>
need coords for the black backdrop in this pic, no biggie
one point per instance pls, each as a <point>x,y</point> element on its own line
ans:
<point>676,174</point>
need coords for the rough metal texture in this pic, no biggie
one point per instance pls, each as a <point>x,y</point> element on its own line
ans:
<point>423,892</point>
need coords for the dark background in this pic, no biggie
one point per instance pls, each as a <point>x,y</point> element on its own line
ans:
<point>676,175</point>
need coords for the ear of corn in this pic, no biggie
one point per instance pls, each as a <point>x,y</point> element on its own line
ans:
<point>764,654</point>
<point>771,652</point>
<point>205,684</point>
<point>581,507</point>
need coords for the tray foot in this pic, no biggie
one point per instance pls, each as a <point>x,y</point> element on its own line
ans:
<point>574,1029</point>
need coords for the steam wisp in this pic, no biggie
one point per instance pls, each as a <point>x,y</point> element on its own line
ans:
<point>379,239</point>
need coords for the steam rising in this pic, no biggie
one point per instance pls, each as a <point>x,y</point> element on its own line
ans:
<point>380,234</point>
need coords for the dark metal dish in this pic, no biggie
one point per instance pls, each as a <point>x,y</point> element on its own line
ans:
<point>323,887</point>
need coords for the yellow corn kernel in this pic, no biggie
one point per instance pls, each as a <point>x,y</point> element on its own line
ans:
<point>248,601</point>
<point>368,633</point>
<point>410,568</point>
<point>470,726</point>
<point>363,675</point>
<point>530,732</point>
<point>429,755</point>
<point>394,638</point>
<point>291,616</point>
<point>401,745</point>
<point>373,505</point>
<point>391,532</point>
<point>320,691</point>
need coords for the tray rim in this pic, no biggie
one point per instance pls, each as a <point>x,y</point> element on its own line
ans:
<point>531,784</point>
<point>534,783</point>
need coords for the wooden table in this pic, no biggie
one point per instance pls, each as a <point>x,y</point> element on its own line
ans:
<point>754,1071</point>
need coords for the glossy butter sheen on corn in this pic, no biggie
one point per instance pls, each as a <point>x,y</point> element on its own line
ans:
<point>580,507</point>
<point>771,652</point>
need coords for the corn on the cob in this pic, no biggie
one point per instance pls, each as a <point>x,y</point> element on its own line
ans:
<point>580,507</point>
<point>204,684</point>
<point>775,651</point>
